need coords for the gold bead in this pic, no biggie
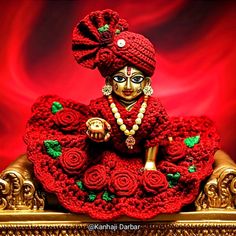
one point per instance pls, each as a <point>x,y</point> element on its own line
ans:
<point>131,132</point>
<point>123,127</point>
<point>114,110</point>
<point>126,132</point>
<point>113,105</point>
<point>135,127</point>
<point>138,121</point>
<point>117,115</point>
<point>140,115</point>
<point>142,110</point>
<point>119,121</point>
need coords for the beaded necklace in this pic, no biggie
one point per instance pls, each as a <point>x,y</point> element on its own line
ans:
<point>130,140</point>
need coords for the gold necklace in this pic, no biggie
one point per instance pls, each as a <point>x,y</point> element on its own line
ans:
<point>130,140</point>
<point>127,104</point>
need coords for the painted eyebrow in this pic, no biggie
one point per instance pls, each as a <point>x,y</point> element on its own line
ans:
<point>137,73</point>
<point>119,74</point>
<point>122,74</point>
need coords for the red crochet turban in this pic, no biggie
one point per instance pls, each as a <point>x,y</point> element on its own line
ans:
<point>101,40</point>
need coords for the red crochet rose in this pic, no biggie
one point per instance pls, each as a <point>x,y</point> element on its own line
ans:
<point>73,160</point>
<point>105,57</point>
<point>175,151</point>
<point>106,37</point>
<point>123,182</point>
<point>95,178</point>
<point>154,181</point>
<point>67,119</point>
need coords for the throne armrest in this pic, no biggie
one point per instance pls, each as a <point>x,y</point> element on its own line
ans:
<point>220,190</point>
<point>18,189</point>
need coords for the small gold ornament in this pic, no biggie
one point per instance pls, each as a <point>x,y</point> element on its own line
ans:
<point>107,90</point>
<point>147,90</point>
<point>130,141</point>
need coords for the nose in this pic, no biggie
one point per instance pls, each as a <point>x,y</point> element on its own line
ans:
<point>128,84</point>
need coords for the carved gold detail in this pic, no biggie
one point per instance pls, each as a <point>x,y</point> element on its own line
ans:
<point>220,191</point>
<point>55,223</point>
<point>17,189</point>
<point>160,230</point>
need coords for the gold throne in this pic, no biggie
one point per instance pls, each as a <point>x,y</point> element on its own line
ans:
<point>25,209</point>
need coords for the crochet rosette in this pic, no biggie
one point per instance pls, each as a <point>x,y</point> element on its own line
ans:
<point>106,180</point>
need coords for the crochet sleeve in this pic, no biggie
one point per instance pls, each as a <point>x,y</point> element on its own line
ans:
<point>96,106</point>
<point>54,117</point>
<point>162,127</point>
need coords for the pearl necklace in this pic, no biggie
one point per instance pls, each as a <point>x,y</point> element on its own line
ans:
<point>130,140</point>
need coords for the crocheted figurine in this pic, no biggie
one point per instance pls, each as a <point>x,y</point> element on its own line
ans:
<point>121,154</point>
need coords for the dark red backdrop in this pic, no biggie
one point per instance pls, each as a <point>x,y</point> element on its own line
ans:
<point>196,58</point>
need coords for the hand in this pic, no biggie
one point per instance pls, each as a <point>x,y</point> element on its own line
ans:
<point>98,129</point>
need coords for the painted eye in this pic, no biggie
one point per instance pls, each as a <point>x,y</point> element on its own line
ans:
<point>137,79</point>
<point>119,79</point>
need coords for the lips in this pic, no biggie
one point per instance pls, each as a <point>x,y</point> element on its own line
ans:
<point>127,92</point>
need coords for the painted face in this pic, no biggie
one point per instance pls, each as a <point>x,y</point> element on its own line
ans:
<point>128,83</point>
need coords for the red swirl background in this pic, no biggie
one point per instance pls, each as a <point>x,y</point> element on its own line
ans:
<point>195,72</point>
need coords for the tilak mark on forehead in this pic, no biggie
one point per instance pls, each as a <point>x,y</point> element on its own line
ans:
<point>129,69</point>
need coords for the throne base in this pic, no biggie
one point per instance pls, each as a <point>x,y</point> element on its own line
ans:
<point>42,223</point>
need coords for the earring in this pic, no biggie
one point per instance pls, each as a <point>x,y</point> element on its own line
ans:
<point>147,90</point>
<point>107,89</point>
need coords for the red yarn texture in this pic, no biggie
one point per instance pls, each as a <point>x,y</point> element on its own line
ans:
<point>92,48</point>
<point>107,180</point>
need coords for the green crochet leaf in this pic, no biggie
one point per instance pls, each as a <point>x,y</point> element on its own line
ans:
<point>191,141</point>
<point>56,106</point>
<point>92,196</point>
<point>53,148</point>
<point>103,28</point>
<point>80,185</point>
<point>107,196</point>
<point>173,179</point>
<point>192,169</point>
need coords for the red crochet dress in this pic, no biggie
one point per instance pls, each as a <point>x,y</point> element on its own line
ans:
<point>107,180</point>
